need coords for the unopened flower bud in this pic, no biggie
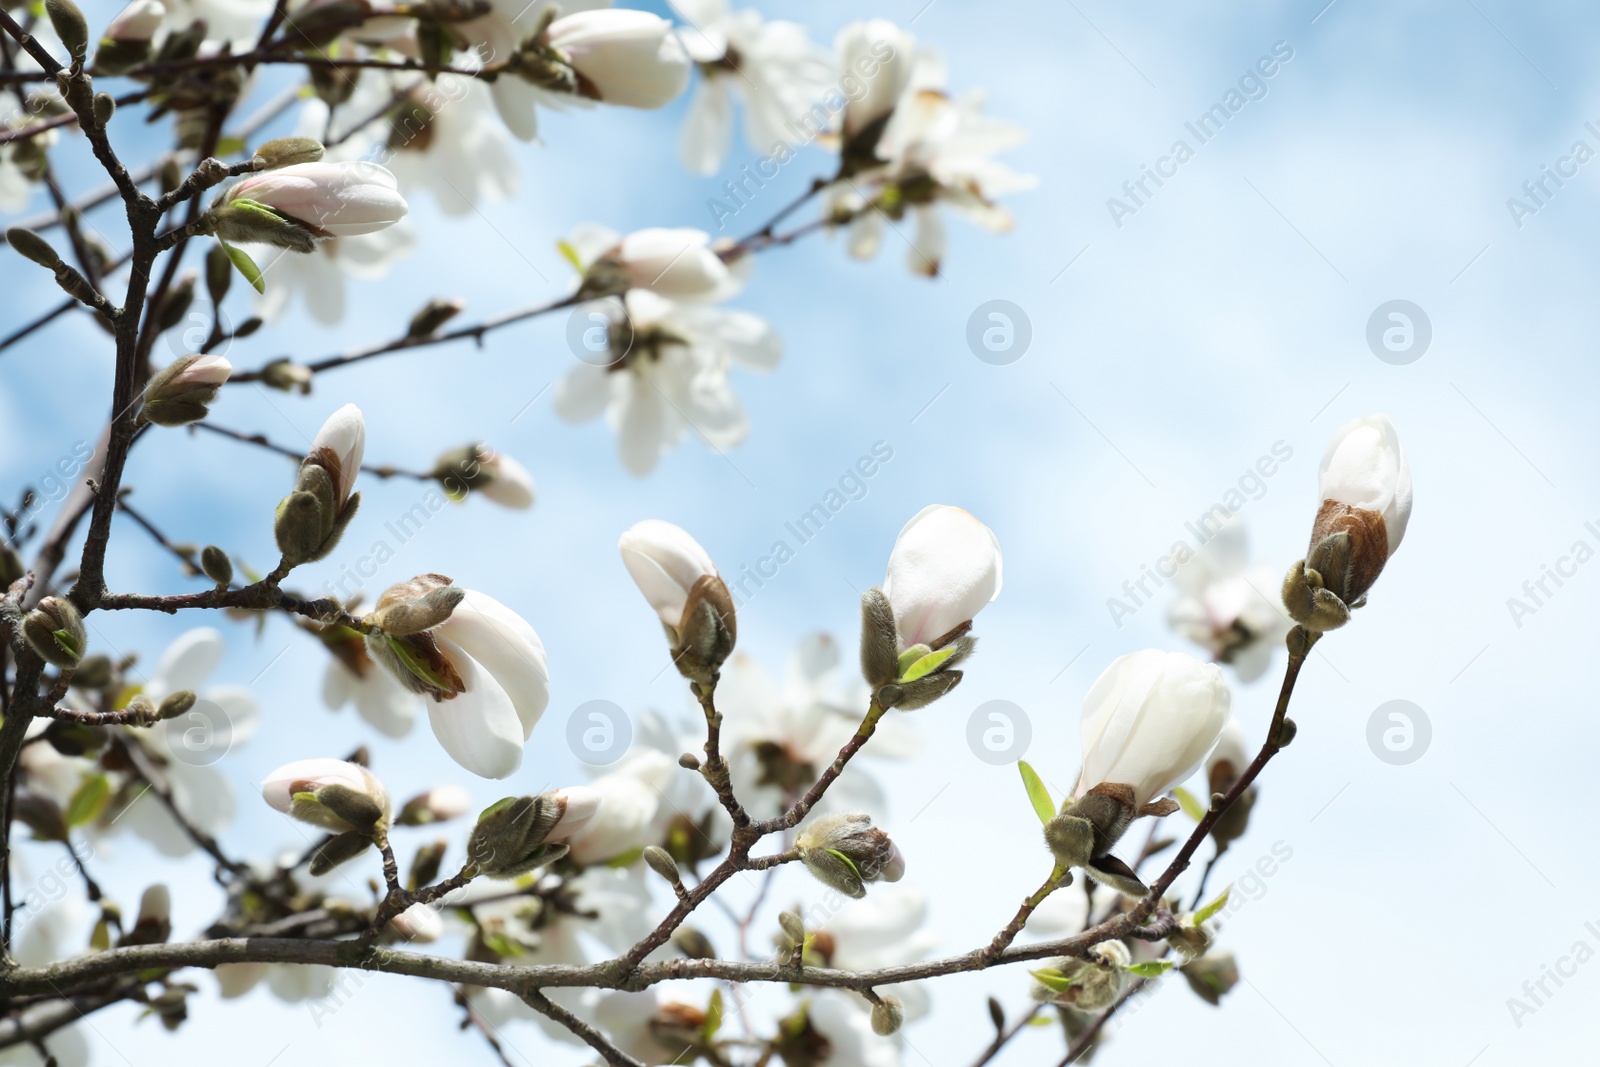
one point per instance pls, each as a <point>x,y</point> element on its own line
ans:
<point>295,206</point>
<point>176,303</point>
<point>693,944</point>
<point>887,1015</point>
<point>310,520</point>
<point>425,865</point>
<point>137,22</point>
<point>518,834</point>
<point>333,794</point>
<point>1088,985</point>
<point>54,629</point>
<point>1212,976</point>
<point>439,804</point>
<point>216,565</point>
<point>33,246</point>
<point>847,852</point>
<point>287,151</point>
<point>70,26</point>
<point>154,924</point>
<point>178,394</point>
<point>219,273</point>
<point>420,923</point>
<point>405,617</point>
<point>479,469</point>
<point>662,863</point>
<point>433,315</point>
<point>689,761</point>
<point>176,704</point>
<point>341,848</point>
<point>94,672</point>
<point>793,927</point>
<point>104,107</point>
<point>287,375</point>
<point>679,580</point>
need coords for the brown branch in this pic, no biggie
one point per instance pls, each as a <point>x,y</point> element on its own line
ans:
<point>588,1034</point>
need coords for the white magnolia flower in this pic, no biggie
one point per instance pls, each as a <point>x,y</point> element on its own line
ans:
<point>137,22</point>
<point>944,568</point>
<point>226,20</point>
<point>879,54</point>
<point>1149,720</point>
<point>673,262</point>
<point>388,706</point>
<point>331,199</point>
<point>339,446</point>
<point>190,745</point>
<point>671,376</point>
<point>778,74</point>
<point>665,563</point>
<point>643,1024</point>
<point>848,1033</point>
<point>1364,469</point>
<point>1228,606</point>
<point>622,56</point>
<point>640,798</point>
<point>499,664</point>
<point>778,740</point>
<point>1067,911</point>
<point>884,929</point>
<point>935,150</point>
<point>447,139</point>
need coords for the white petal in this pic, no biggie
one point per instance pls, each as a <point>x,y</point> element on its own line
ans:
<point>703,144</point>
<point>505,646</point>
<point>478,728</point>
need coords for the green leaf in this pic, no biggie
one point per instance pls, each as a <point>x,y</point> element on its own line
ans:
<point>626,859</point>
<point>417,666</point>
<point>570,254</point>
<point>1052,979</point>
<point>68,642</point>
<point>100,939</point>
<point>1042,1020</point>
<point>1149,968</point>
<point>89,800</point>
<point>1212,908</point>
<point>245,265</point>
<point>1191,807</point>
<point>1038,795</point>
<point>927,664</point>
<point>713,1016</point>
<point>846,860</point>
<point>910,656</point>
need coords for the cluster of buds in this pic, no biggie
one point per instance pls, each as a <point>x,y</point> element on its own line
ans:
<point>624,57</point>
<point>343,798</point>
<point>1366,504</point>
<point>846,852</point>
<point>945,567</point>
<point>180,392</point>
<point>311,519</point>
<point>520,834</point>
<point>54,629</point>
<point>681,583</point>
<point>1148,721</point>
<point>295,199</point>
<point>1086,984</point>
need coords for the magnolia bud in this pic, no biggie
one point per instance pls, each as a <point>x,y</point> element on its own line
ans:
<point>1286,732</point>
<point>425,865</point>
<point>887,1015</point>
<point>1212,976</point>
<point>214,562</point>
<point>154,924</point>
<point>689,761</point>
<point>310,520</point>
<point>219,273</point>
<point>479,469</point>
<point>518,834</point>
<point>847,852</point>
<point>333,794</point>
<point>681,583</point>
<point>287,375</point>
<point>439,804</point>
<point>287,151</point>
<point>294,206</point>
<point>1088,985</point>
<point>70,26</point>
<point>792,926</point>
<point>693,944</point>
<point>341,848</point>
<point>405,617</point>
<point>434,315</point>
<point>178,393</point>
<point>663,864</point>
<point>126,42</point>
<point>54,629</point>
<point>419,922</point>
<point>94,672</point>
<point>33,246</point>
<point>176,704</point>
<point>176,303</point>
<point>104,107</point>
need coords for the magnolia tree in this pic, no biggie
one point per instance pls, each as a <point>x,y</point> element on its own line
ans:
<point>390,100</point>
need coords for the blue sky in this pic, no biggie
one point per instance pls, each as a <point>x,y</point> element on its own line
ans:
<point>1227,315</point>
